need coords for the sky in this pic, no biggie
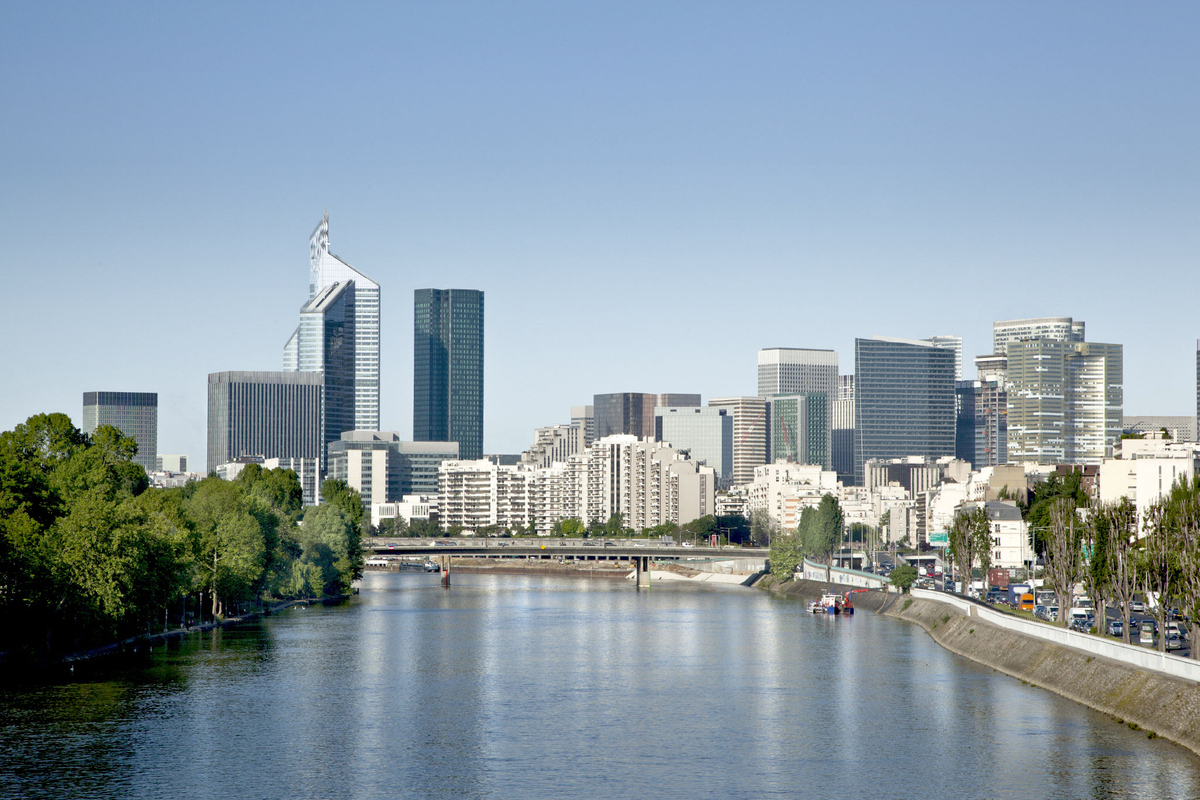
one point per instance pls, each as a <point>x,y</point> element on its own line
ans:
<point>648,193</point>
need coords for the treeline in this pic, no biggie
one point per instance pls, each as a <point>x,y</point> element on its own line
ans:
<point>818,534</point>
<point>89,554</point>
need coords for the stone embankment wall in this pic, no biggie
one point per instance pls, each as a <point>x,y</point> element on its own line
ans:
<point>1160,704</point>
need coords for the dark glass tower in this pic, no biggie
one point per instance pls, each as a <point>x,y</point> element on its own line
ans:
<point>903,400</point>
<point>448,368</point>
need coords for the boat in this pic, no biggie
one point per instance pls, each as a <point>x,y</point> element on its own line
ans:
<point>831,603</point>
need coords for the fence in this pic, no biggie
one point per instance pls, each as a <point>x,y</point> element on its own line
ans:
<point>841,575</point>
<point>1118,651</point>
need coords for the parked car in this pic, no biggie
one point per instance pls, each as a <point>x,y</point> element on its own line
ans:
<point>1174,641</point>
<point>1041,612</point>
<point>1116,627</point>
<point>1082,624</point>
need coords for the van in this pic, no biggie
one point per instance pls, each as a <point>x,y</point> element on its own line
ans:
<point>1146,630</point>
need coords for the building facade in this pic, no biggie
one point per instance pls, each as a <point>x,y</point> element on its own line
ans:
<point>268,414</point>
<point>448,368</point>
<point>584,418</point>
<point>951,343</point>
<point>1059,329</point>
<point>632,413</point>
<point>841,434</point>
<point>383,469</point>
<point>791,370</point>
<point>903,401</point>
<point>704,433</point>
<point>554,443</point>
<point>800,431</point>
<point>751,433</point>
<point>359,327</point>
<point>135,414</point>
<point>981,408</point>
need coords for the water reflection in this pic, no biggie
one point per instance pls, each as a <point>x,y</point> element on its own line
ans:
<point>512,686</point>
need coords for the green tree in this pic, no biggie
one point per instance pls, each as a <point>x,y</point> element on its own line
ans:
<point>701,528</point>
<point>1044,496</point>
<point>903,577</point>
<point>393,526</point>
<point>824,533</point>
<point>763,527</point>
<point>970,544</point>
<point>332,541</point>
<point>786,554</point>
<point>232,553</point>
<point>342,496</point>
<point>572,526</point>
<point>1064,552</point>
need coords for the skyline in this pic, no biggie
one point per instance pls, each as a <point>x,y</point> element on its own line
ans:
<point>711,179</point>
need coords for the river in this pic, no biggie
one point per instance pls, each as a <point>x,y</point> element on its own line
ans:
<point>537,687</point>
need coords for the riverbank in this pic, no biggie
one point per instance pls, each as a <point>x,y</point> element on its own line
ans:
<point>1159,704</point>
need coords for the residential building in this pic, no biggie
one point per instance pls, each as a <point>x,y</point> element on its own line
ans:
<point>632,413</point>
<point>1009,533</point>
<point>841,434</point>
<point>267,414</point>
<point>1064,401</point>
<point>1059,329</point>
<point>705,434</point>
<point>135,414</point>
<point>554,443</point>
<point>903,401</point>
<point>800,428</point>
<point>914,474</point>
<point>751,429</point>
<point>783,490</point>
<point>171,463</point>
<point>448,368</point>
<point>410,507</point>
<point>477,494</point>
<point>647,483</point>
<point>951,343</point>
<point>1145,470</point>
<point>359,329</point>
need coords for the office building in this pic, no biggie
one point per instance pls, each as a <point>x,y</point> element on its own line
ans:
<point>584,418</point>
<point>789,370</point>
<point>135,414</point>
<point>705,434</point>
<point>800,429</point>
<point>448,368</point>
<point>841,434</point>
<point>1059,329</point>
<point>172,463</point>
<point>632,413</point>
<point>981,409</point>
<point>308,472</point>
<point>267,414</point>
<point>751,431</point>
<point>951,343</point>
<point>326,346</point>
<point>1064,401</point>
<point>903,400</point>
<point>1180,429</point>
<point>383,469</point>
<point>361,326</point>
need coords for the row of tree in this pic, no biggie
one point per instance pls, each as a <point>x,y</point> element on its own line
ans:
<point>90,554</point>
<point>1103,548</point>
<point>817,535</point>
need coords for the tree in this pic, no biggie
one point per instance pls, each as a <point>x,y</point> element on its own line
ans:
<point>1185,499</point>
<point>701,528</point>
<point>970,544</point>
<point>1121,520</point>
<point>763,527</point>
<point>1097,574</point>
<point>572,526</point>
<point>903,577</point>
<point>1064,560</point>
<point>787,553</point>
<point>340,494</point>
<point>332,542</point>
<point>824,533</point>
<point>1038,512</point>
<point>232,552</point>
<point>393,526</point>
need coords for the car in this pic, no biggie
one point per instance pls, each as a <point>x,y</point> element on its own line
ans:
<point>688,544</point>
<point>610,544</point>
<point>1174,641</point>
<point>1137,606</point>
<point>1082,624</point>
<point>1116,627</point>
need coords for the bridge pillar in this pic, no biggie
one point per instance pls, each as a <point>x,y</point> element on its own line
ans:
<point>445,570</point>
<point>643,571</point>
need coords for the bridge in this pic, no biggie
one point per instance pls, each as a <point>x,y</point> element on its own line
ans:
<point>639,553</point>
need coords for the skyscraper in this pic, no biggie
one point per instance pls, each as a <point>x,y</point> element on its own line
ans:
<point>327,346</point>
<point>903,400</point>
<point>268,414</point>
<point>705,433</point>
<point>134,414</point>
<point>800,428</point>
<point>841,435</point>
<point>327,270</point>
<point>787,370</point>
<point>1060,329</point>
<point>633,412</point>
<point>951,343</point>
<point>751,427</point>
<point>448,369</point>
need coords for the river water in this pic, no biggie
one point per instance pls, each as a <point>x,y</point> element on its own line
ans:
<point>536,687</point>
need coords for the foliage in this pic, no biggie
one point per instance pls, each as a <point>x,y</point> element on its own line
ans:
<point>821,529</point>
<point>970,544</point>
<point>1064,552</point>
<point>763,527</point>
<point>1047,492</point>
<point>786,554</point>
<point>904,576</point>
<point>89,554</point>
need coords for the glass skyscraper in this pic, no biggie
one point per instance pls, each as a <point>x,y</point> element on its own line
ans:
<point>800,428</point>
<point>354,405</point>
<point>705,433</point>
<point>903,400</point>
<point>448,368</point>
<point>134,414</point>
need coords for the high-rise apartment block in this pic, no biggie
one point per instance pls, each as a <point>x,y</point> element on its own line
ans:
<point>339,333</point>
<point>554,444</point>
<point>584,418</point>
<point>904,400</point>
<point>448,368</point>
<point>633,412</point>
<point>751,431</point>
<point>135,414</point>
<point>841,435</point>
<point>267,414</point>
<point>705,434</point>
<point>1064,400</point>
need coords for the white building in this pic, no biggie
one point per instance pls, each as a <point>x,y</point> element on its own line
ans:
<point>555,443</point>
<point>476,494</point>
<point>412,506</point>
<point>1011,548</point>
<point>750,428</point>
<point>784,490</point>
<point>1146,471</point>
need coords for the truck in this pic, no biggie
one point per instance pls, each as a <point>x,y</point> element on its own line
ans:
<point>1016,591</point>
<point>998,577</point>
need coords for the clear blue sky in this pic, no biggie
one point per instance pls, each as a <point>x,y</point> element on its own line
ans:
<point>647,192</point>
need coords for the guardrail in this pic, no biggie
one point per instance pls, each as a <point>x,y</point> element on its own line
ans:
<point>1118,651</point>
<point>849,577</point>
